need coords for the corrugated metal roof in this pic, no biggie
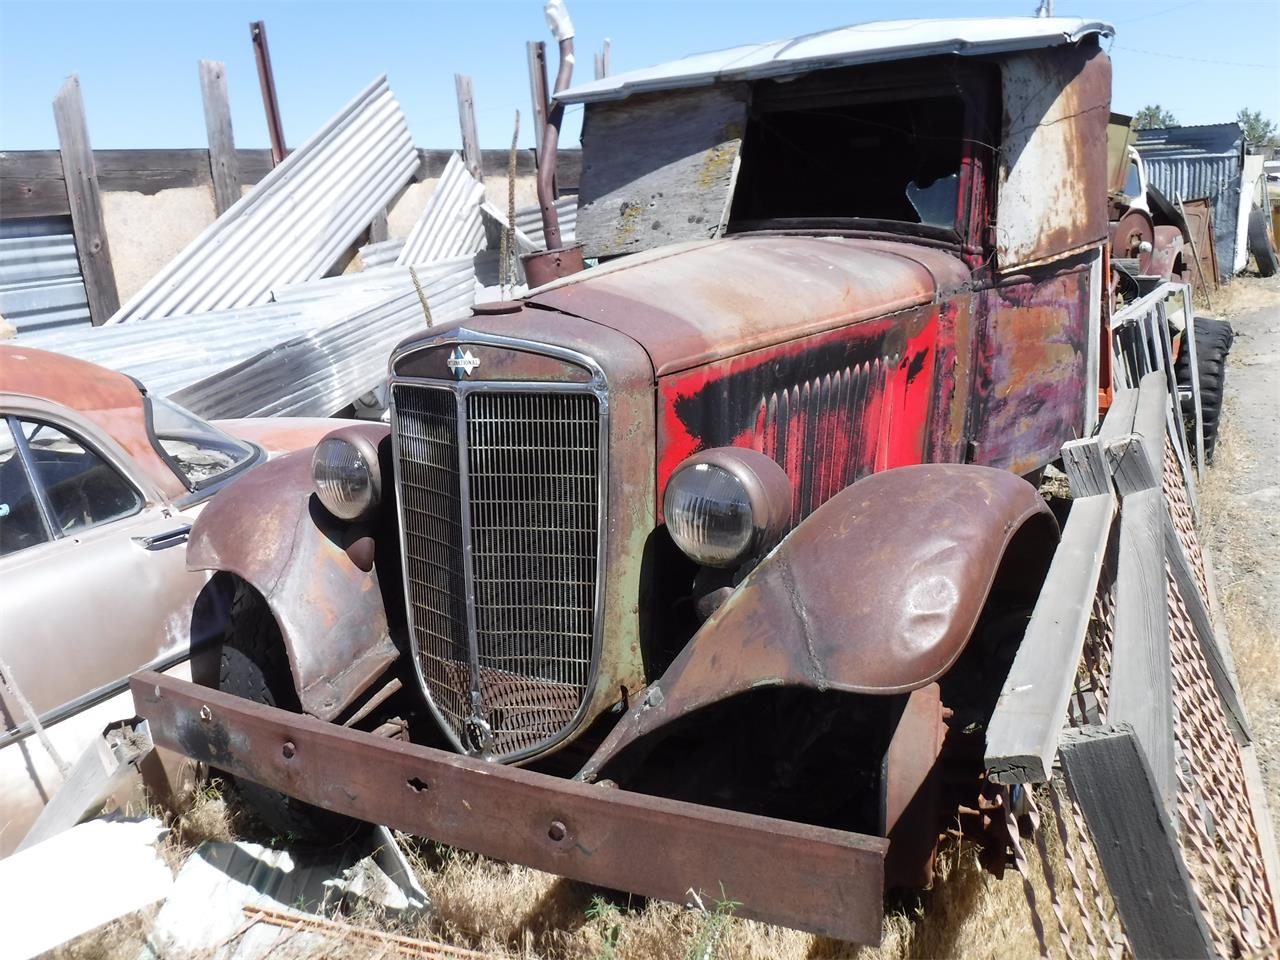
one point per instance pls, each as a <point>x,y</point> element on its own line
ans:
<point>1220,139</point>
<point>846,46</point>
<point>1201,162</point>
<point>40,283</point>
<point>450,224</point>
<point>296,223</point>
<point>311,352</point>
<point>381,253</point>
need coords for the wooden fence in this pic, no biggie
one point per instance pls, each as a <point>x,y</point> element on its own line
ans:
<point>1123,699</point>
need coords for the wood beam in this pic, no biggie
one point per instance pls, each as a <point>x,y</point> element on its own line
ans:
<point>224,166</point>
<point>467,124</point>
<point>81,179</point>
<point>1111,780</point>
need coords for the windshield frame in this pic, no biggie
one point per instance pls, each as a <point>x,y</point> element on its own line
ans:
<point>197,489</point>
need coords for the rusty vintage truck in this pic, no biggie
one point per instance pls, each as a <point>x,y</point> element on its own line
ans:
<point>700,569</point>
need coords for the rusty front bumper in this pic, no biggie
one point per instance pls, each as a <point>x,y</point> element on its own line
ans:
<point>812,878</point>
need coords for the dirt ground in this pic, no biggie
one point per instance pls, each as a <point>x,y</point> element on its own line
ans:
<point>1240,511</point>
<point>513,911</point>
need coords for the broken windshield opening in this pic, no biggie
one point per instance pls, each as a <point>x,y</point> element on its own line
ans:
<point>195,449</point>
<point>895,160</point>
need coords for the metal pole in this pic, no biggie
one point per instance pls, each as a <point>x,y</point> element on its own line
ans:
<point>258,31</point>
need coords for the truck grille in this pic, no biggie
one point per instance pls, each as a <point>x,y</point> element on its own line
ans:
<point>499,494</point>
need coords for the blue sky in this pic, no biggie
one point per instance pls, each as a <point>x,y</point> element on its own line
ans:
<point>1202,59</point>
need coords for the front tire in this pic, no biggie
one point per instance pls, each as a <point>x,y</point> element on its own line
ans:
<point>254,666</point>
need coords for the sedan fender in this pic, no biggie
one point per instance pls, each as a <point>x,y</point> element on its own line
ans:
<point>876,592</point>
<point>315,574</point>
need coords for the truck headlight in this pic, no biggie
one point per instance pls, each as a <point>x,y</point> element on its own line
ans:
<point>344,471</point>
<point>727,505</point>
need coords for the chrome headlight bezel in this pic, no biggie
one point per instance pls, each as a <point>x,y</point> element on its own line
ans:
<point>345,475</point>
<point>754,511</point>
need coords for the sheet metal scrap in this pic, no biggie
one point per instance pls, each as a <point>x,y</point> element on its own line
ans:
<point>450,224</point>
<point>312,351</point>
<point>297,222</point>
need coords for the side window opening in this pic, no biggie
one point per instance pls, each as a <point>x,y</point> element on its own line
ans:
<point>21,524</point>
<point>82,489</point>
<point>896,159</point>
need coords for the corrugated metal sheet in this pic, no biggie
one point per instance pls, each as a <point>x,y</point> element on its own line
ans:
<point>1202,162</point>
<point>529,221</point>
<point>312,352</point>
<point>40,283</point>
<point>450,224</point>
<point>862,43</point>
<point>296,223</point>
<point>381,253</point>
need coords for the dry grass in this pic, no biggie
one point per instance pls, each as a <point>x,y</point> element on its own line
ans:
<point>1240,295</point>
<point>1230,525</point>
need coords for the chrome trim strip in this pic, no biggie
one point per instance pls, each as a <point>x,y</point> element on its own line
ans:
<point>599,388</point>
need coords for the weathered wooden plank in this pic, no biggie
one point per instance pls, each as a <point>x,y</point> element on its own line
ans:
<point>662,169</point>
<point>81,178</point>
<point>33,198</point>
<point>378,227</point>
<point>1141,689</point>
<point>1086,467</point>
<point>223,166</point>
<point>1202,622</point>
<point>1174,424</point>
<point>1112,781</point>
<point>1137,460</point>
<point>539,93</point>
<point>467,124</point>
<point>1022,737</point>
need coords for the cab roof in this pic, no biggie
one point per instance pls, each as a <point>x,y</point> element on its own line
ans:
<point>842,47</point>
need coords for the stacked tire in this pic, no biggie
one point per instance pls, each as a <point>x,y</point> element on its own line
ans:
<point>1213,343</point>
<point>1261,243</point>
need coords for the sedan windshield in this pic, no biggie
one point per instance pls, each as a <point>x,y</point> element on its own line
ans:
<point>198,451</point>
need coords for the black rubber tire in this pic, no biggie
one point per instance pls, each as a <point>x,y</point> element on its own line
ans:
<point>1260,242</point>
<point>254,666</point>
<point>1213,343</point>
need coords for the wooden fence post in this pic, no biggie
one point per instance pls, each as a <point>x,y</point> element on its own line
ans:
<point>538,91</point>
<point>1131,829</point>
<point>223,164</point>
<point>467,122</point>
<point>81,177</point>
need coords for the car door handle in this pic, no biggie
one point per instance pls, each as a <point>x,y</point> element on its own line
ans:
<point>161,541</point>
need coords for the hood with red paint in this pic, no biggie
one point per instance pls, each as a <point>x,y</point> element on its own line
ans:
<point>695,303</point>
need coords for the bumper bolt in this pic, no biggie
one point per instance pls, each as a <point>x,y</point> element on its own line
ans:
<point>557,831</point>
<point>289,750</point>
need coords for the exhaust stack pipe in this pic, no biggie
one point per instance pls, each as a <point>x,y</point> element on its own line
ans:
<point>556,261</point>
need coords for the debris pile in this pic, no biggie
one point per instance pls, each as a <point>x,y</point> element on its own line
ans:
<point>249,320</point>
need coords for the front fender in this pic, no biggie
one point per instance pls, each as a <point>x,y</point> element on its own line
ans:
<point>268,529</point>
<point>877,592</point>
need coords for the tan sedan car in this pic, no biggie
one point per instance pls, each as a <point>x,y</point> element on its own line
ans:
<point>99,484</point>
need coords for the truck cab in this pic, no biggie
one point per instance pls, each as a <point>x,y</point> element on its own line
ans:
<point>744,515</point>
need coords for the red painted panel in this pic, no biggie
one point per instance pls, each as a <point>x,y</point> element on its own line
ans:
<point>829,408</point>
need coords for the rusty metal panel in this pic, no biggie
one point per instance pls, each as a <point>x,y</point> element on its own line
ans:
<point>1052,193</point>
<point>829,409</point>
<point>1032,369</point>
<point>922,544</point>
<point>812,878</point>
<point>747,292</point>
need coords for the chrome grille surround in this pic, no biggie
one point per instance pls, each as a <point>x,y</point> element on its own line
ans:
<point>504,614</point>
